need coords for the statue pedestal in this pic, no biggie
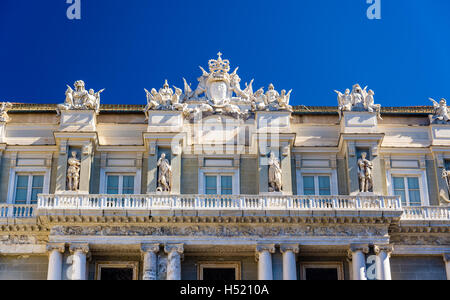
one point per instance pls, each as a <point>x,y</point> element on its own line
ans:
<point>78,120</point>
<point>440,134</point>
<point>165,121</point>
<point>278,120</point>
<point>359,122</point>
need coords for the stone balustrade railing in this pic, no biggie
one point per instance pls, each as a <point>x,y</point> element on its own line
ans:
<point>14,211</point>
<point>430,213</point>
<point>209,202</point>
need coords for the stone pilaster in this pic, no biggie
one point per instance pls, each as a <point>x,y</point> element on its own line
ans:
<point>150,258</point>
<point>357,255</point>
<point>379,174</point>
<point>176,171</point>
<point>289,261</point>
<point>352,167</point>
<point>264,258</point>
<point>152,170</point>
<point>55,253</point>
<point>263,174</point>
<point>286,168</point>
<point>86,165</point>
<point>61,170</point>
<point>383,265</point>
<point>174,252</point>
<point>79,253</point>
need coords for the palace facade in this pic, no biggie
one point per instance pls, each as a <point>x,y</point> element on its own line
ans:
<point>219,182</point>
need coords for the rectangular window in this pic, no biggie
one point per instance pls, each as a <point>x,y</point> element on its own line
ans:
<point>408,189</point>
<point>120,184</point>
<point>316,185</point>
<point>219,185</point>
<point>27,188</point>
<point>211,185</point>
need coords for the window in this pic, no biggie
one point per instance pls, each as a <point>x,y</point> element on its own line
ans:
<point>28,186</point>
<point>408,189</point>
<point>119,184</point>
<point>316,185</point>
<point>218,185</point>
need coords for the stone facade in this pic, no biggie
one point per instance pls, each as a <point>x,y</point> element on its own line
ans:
<point>250,184</point>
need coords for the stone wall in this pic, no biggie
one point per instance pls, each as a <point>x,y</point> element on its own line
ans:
<point>23,268</point>
<point>418,268</point>
<point>4,179</point>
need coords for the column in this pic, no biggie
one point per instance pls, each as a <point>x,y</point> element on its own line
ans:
<point>358,257</point>
<point>55,260</point>
<point>289,262</point>
<point>174,252</point>
<point>149,252</point>
<point>264,258</point>
<point>447,264</point>
<point>383,265</point>
<point>79,252</point>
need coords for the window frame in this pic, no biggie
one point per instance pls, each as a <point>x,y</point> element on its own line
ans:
<point>120,186</point>
<point>118,171</point>
<point>19,171</point>
<point>219,172</point>
<point>331,173</point>
<point>423,183</point>
<point>29,186</point>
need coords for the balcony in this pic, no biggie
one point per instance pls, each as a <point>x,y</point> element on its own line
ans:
<point>12,211</point>
<point>241,205</point>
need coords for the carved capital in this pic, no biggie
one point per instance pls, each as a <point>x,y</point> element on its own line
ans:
<point>79,247</point>
<point>168,248</point>
<point>60,247</point>
<point>290,247</point>
<point>262,248</point>
<point>364,248</point>
<point>150,248</point>
<point>384,248</point>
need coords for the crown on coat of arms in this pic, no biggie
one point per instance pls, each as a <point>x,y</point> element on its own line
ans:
<point>219,66</point>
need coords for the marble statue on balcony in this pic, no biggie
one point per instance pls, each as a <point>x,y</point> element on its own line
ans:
<point>441,111</point>
<point>275,174</point>
<point>365,174</point>
<point>73,172</point>
<point>4,118</point>
<point>80,99</point>
<point>358,99</point>
<point>164,174</point>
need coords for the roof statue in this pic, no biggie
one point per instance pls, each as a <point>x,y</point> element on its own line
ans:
<point>441,112</point>
<point>358,100</point>
<point>218,91</point>
<point>80,98</point>
<point>5,107</point>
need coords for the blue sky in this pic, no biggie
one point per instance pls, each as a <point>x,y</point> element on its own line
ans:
<point>311,46</point>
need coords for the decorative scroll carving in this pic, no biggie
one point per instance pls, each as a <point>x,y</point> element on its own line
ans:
<point>384,248</point>
<point>5,107</point>
<point>365,174</point>
<point>164,174</point>
<point>288,247</point>
<point>275,174</point>
<point>80,99</point>
<point>358,100</point>
<point>73,172</point>
<point>81,247</point>
<point>60,247</point>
